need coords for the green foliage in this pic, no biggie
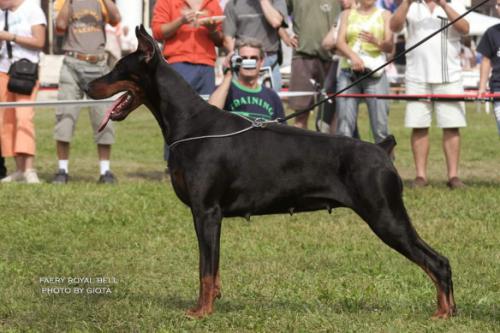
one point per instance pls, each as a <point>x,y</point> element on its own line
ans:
<point>311,272</point>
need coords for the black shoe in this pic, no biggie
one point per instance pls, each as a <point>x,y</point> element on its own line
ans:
<point>107,178</point>
<point>61,177</point>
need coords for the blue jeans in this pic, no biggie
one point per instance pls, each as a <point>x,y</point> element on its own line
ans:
<point>270,60</point>
<point>200,77</point>
<point>347,108</point>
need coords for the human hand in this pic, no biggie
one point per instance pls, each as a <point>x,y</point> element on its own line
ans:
<point>226,64</point>
<point>211,23</point>
<point>188,16</point>
<point>293,41</point>
<point>481,92</point>
<point>357,64</point>
<point>368,37</point>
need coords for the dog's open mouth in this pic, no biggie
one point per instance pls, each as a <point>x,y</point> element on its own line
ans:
<point>118,110</point>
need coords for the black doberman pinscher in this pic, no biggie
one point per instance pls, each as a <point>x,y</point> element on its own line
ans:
<point>222,165</point>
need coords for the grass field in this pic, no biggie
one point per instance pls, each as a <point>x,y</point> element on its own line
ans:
<point>311,272</point>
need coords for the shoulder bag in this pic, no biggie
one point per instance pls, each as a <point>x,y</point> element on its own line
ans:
<point>23,73</point>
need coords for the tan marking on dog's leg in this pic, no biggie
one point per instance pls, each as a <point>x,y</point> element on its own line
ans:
<point>445,308</point>
<point>205,300</point>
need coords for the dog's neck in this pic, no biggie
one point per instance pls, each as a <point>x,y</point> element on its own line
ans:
<point>177,107</point>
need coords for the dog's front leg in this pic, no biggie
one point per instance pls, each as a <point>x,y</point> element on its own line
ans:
<point>207,223</point>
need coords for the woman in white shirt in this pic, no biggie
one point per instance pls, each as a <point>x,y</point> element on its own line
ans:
<point>26,36</point>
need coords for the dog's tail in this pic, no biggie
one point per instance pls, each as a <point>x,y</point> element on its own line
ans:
<point>388,144</point>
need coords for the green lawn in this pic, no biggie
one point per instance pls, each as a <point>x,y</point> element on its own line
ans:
<point>311,272</point>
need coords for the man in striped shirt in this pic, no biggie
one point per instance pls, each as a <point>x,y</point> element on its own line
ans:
<point>433,68</point>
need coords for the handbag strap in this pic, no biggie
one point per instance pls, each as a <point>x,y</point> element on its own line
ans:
<point>6,28</point>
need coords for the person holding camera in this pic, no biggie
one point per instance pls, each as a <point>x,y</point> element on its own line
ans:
<point>22,37</point>
<point>240,91</point>
<point>363,39</point>
<point>259,19</point>
<point>433,68</point>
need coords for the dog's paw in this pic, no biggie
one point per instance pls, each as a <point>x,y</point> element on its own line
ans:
<point>443,314</point>
<point>198,312</point>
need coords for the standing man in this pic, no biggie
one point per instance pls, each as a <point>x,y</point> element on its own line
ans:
<point>83,24</point>
<point>433,68</point>
<point>258,19</point>
<point>240,91</point>
<point>312,20</point>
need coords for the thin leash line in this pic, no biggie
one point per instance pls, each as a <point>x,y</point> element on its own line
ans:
<point>362,78</point>
<point>257,123</point>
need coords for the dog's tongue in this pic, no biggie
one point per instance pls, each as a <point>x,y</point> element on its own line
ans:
<point>107,116</point>
<point>105,120</point>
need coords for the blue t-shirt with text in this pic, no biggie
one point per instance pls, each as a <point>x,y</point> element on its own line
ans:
<point>260,102</point>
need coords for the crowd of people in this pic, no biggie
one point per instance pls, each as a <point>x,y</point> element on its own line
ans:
<point>334,43</point>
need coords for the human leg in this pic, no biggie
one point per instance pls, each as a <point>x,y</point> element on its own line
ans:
<point>420,149</point>
<point>378,109</point>
<point>451,117</point>
<point>301,72</point>
<point>451,147</point>
<point>66,116</point>
<point>347,108</point>
<point>418,117</point>
<point>497,115</point>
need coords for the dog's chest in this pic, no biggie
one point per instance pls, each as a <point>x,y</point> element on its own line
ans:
<point>178,179</point>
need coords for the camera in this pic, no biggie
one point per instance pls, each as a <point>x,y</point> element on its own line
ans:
<point>238,62</point>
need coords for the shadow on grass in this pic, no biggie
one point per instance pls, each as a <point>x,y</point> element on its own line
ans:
<point>482,312</point>
<point>147,175</point>
<point>407,183</point>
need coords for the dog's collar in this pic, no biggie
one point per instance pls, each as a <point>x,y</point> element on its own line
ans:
<point>255,123</point>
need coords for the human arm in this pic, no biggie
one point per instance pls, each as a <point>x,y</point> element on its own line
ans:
<point>164,26</point>
<point>342,46</point>
<point>219,96</point>
<point>62,19</point>
<point>290,41</point>
<point>169,29</point>
<point>272,15</point>
<point>35,41</point>
<point>214,31</point>
<point>484,73</point>
<point>398,19</point>
<point>114,16</point>
<point>462,26</point>
<point>330,39</point>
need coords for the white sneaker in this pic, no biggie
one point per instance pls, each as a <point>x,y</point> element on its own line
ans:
<point>17,176</point>
<point>31,176</point>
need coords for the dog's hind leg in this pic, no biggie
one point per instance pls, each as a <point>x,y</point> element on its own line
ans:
<point>384,211</point>
<point>207,223</point>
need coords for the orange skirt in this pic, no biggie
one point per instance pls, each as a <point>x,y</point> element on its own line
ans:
<point>17,129</point>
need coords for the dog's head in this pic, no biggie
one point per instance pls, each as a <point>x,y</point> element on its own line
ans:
<point>131,75</point>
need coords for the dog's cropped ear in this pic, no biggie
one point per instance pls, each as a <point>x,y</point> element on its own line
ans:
<point>146,43</point>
